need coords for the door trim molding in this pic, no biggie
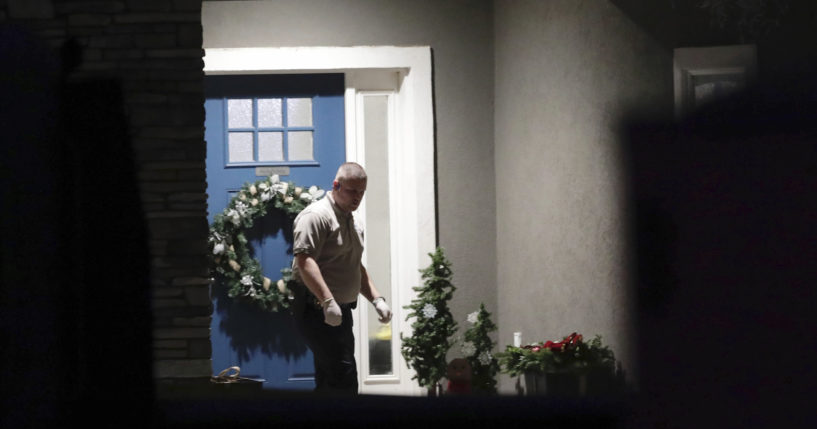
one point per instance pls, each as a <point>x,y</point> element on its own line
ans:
<point>413,181</point>
<point>709,61</point>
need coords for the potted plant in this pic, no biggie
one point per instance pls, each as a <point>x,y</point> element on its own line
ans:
<point>571,366</point>
<point>477,348</point>
<point>425,350</point>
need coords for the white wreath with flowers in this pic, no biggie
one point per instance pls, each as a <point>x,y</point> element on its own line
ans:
<point>230,257</point>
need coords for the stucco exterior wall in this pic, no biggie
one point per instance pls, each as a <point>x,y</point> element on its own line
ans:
<point>460,36</point>
<point>566,71</point>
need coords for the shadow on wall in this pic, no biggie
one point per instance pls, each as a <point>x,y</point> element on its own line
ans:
<point>723,230</point>
<point>75,309</point>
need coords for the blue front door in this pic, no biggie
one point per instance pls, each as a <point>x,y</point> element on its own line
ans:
<point>256,125</point>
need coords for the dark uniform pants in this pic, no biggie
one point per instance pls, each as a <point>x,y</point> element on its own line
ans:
<point>333,347</point>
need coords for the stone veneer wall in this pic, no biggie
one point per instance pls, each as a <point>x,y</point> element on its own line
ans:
<point>154,48</point>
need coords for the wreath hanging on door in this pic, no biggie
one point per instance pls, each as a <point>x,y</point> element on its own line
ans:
<point>230,256</point>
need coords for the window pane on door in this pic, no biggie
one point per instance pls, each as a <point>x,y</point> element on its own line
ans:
<point>240,147</point>
<point>299,112</point>
<point>270,146</point>
<point>269,113</point>
<point>239,113</point>
<point>300,146</point>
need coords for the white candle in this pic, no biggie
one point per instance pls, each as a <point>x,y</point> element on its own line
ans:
<point>517,339</point>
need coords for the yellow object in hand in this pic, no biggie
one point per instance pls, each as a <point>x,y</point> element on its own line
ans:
<point>384,333</point>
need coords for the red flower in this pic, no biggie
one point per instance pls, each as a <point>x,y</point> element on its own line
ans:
<point>554,346</point>
<point>568,342</point>
<point>572,340</point>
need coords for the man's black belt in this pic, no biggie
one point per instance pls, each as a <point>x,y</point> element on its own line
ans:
<point>313,300</point>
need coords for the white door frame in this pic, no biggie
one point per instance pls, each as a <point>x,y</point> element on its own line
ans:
<point>411,158</point>
<point>709,61</point>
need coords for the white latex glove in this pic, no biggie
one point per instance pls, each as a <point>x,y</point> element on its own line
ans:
<point>382,309</point>
<point>331,313</point>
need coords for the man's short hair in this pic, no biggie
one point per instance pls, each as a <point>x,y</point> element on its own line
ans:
<point>350,171</point>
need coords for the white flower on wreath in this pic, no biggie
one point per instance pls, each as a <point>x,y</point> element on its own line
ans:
<point>468,348</point>
<point>241,207</point>
<point>246,280</point>
<point>266,195</point>
<point>263,186</point>
<point>429,311</point>
<point>218,243</point>
<point>274,179</point>
<point>280,187</point>
<point>485,357</point>
<point>473,317</point>
<point>234,216</point>
<point>253,190</point>
<point>313,194</point>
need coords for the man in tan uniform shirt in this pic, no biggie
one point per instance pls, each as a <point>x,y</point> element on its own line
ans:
<point>328,247</point>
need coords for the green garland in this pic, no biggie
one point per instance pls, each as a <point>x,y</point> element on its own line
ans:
<point>572,354</point>
<point>230,258</point>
